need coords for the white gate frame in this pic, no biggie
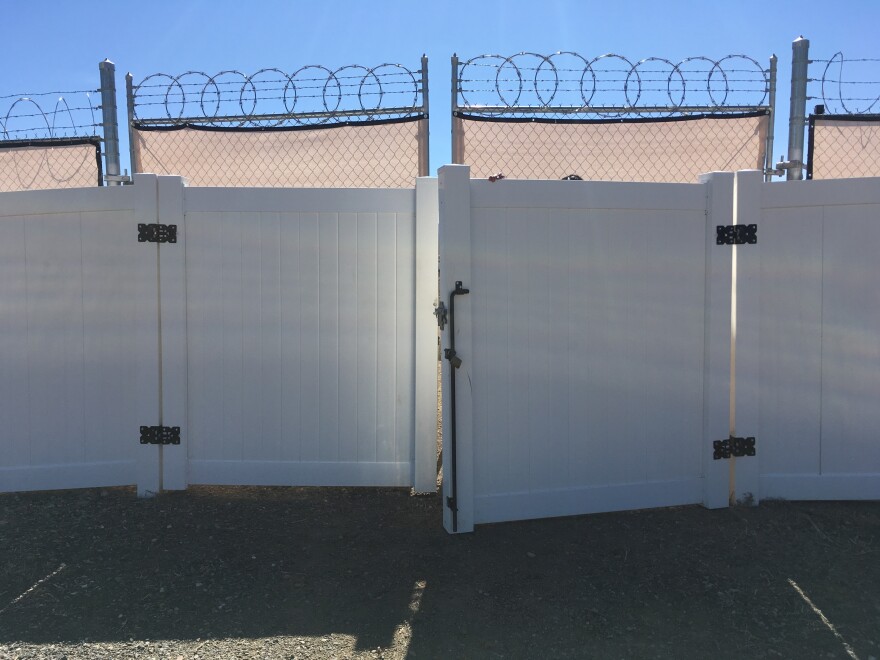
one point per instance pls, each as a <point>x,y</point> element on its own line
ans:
<point>163,199</point>
<point>456,264</point>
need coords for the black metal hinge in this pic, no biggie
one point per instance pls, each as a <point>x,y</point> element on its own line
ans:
<point>156,233</point>
<point>733,447</point>
<point>160,435</point>
<point>736,234</point>
<point>441,314</point>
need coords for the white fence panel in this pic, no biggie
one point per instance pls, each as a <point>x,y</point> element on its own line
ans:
<point>301,337</point>
<point>811,315</point>
<point>78,339</point>
<point>584,380</point>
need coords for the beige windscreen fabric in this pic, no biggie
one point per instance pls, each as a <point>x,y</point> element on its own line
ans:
<point>843,149</point>
<point>659,151</point>
<point>48,167</point>
<point>357,156</point>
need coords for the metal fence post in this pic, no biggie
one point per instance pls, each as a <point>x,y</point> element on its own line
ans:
<point>129,99</point>
<point>424,153</point>
<point>109,120</point>
<point>769,171</point>
<point>457,145</point>
<point>800,51</point>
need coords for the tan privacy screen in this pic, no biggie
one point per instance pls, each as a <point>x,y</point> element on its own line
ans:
<point>676,150</point>
<point>45,167</point>
<point>841,148</point>
<point>378,155</point>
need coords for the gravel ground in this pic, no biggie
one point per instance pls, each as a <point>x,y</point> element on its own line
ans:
<point>370,573</point>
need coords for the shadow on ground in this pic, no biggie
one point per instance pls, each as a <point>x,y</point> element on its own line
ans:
<point>374,564</point>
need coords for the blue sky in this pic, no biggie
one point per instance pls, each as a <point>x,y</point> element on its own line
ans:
<point>57,45</point>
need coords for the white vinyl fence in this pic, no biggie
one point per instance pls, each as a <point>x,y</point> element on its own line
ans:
<point>808,339</point>
<point>606,342</point>
<point>78,339</point>
<point>279,332</point>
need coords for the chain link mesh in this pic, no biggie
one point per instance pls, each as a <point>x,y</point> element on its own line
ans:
<point>353,126</point>
<point>844,146</point>
<point>657,151</point>
<point>534,116</point>
<point>46,166</point>
<point>377,155</point>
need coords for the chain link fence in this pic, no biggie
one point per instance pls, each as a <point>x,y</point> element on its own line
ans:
<point>844,129</point>
<point>346,128</point>
<point>50,140</point>
<point>674,150</point>
<point>537,116</point>
<point>50,164</point>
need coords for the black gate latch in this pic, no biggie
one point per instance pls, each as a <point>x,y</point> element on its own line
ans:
<point>733,447</point>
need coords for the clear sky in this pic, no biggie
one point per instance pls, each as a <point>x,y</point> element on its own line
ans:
<point>57,45</point>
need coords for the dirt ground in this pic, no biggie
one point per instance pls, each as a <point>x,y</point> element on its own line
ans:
<point>367,573</point>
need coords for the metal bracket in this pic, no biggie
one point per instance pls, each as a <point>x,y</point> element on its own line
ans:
<point>156,233</point>
<point>160,435</point>
<point>442,316</point>
<point>733,447</point>
<point>123,179</point>
<point>454,360</point>
<point>736,234</point>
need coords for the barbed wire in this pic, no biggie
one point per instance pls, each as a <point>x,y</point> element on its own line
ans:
<point>270,97</point>
<point>28,117</point>
<point>834,90</point>
<point>608,86</point>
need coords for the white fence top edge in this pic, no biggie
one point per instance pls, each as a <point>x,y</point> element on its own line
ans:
<point>831,192</point>
<point>588,195</point>
<point>300,200</point>
<point>70,200</point>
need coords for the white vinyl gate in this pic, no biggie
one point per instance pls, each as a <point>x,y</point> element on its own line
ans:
<point>808,339</point>
<point>594,343</point>
<point>78,339</point>
<point>279,333</point>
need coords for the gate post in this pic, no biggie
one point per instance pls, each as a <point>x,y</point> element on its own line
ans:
<point>455,266</point>
<point>744,413</point>
<point>172,317</point>
<point>717,355</point>
<point>147,461</point>
<point>425,450</point>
